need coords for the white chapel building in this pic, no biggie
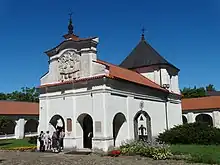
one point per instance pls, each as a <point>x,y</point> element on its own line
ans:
<point>99,104</point>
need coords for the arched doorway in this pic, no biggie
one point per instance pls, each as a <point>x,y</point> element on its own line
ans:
<point>184,119</point>
<point>86,123</point>
<point>9,127</point>
<point>118,121</point>
<point>142,126</point>
<point>57,122</point>
<point>31,126</point>
<point>204,118</point>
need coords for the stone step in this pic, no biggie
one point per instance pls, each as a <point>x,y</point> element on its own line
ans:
<point>83,151</point>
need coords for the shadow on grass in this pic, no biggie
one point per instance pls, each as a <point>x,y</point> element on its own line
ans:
<point>3,144</point>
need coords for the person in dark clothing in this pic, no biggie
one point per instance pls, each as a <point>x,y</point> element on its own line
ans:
<point>61,137</point>
<point>54,142</point>
<point>41,140</point>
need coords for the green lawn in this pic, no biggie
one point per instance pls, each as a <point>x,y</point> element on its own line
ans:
<point>4,144</point>
<point>200,153</point>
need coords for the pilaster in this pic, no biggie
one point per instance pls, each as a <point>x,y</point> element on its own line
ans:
<point>19,129</point>
<point>129,120</point>
<point>190,117</point>
<point>216,119</point>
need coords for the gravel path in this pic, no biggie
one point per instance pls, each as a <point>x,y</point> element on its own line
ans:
<point>32,158</point>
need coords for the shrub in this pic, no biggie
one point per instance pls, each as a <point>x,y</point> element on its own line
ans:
<point>155,151</point>
<point>192,133</point>
<point>33,140</point>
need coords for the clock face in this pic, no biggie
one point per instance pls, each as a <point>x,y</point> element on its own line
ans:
<point>68,64</point>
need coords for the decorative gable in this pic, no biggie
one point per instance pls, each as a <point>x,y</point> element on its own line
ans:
<point>69,65</point>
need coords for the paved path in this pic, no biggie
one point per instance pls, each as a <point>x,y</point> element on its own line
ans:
<point>32,158</point>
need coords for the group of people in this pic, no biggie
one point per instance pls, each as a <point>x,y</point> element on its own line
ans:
<point>52,143</point>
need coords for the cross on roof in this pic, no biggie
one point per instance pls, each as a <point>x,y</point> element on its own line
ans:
<point>143,31</point>
<point>70,14</point>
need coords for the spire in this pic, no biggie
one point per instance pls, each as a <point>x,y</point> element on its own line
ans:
<point>142,36</point>
<point>70,34</point>
<point>70,26</point>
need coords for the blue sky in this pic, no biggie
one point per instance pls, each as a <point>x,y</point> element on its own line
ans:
<point>185,32</point>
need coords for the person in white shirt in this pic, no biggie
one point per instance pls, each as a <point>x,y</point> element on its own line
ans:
<point>47,141</point>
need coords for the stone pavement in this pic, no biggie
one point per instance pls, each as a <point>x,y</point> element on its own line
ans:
<point>36,158</point>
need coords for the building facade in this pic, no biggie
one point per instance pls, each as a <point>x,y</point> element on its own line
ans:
<point>22,119</point>
<point>203,109</point>
<point>99,104</point>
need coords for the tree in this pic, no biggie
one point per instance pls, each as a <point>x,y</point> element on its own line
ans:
<point>4,121</point>
<point>197,92</point>
<point>26,94</point>
<point>3,96</point>
<point>193,92</point>
<point>210,87</point>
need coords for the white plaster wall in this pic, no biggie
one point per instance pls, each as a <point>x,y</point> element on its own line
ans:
<point>116,104</point>
<point>175,84</point>
<point>129,107</point>
<point>42,115</point>
<point>165,77</point>
<point>98,114</point>
<point>157,77</point>
<point>174,111</point>
<point>53,71</point>
<point>83,105</point>
<point>149,75</point>
<point>122,134</point>
<point>102,106</point>
<point>62,106</point>
<point>74,106</point>
<point>154,74</point>
<point>156,110</point>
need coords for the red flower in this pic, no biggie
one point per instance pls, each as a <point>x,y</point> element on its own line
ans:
<point>115,152</point>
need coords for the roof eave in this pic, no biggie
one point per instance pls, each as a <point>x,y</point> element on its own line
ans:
<point>155,65</point>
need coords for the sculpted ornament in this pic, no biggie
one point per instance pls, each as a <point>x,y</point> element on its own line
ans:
<point>69,65</point>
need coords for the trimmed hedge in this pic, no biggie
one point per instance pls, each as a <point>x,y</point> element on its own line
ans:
<point>191,133</point>
<point>33,140</point>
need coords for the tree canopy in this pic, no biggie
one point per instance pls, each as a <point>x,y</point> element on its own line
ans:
<point>197,92</point>
<point>25,94</point>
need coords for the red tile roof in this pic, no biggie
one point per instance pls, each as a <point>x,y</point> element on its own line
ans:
<point>201,103</point>
<point>129,75</point>
<point>115,72</point>
<point>18,108</point>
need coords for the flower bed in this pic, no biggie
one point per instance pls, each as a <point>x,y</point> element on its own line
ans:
<point>132,148</point>
<point>114,153</point>
<point>22,149</point>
